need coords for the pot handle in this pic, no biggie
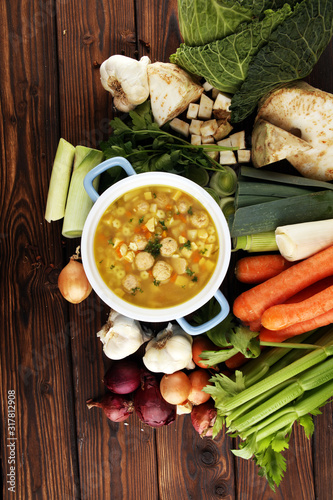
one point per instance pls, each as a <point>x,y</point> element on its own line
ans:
<point>196,330</point>
<point>117,161</point>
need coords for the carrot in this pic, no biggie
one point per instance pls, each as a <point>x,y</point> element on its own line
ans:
<point>296,329</point>
<point>236,361</point>
<point>250,305</point>
<point>259,268</point>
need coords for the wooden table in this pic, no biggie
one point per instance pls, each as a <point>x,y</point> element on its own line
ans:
<point>52,446</point>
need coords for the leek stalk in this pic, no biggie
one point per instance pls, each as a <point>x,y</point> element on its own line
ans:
<point>78,202</point>
<point>224,182</point>
<point>59,182</point>
<point>259,242</point>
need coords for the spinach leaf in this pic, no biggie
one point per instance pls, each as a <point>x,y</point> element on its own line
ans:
<point>224,63</point>
<point>292,51</point>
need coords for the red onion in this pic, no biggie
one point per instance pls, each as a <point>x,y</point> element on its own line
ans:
<point>123,377</point>
<point>149,405</point>
<point>203,418</point>
<point>116,408</point>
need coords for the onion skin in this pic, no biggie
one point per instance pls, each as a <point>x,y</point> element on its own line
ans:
<point>73,283</point>
<point>175,387</point>
<point>149,404</point>
<point>123,377</point>
<point>199,379</point>
<point>117,408</point>
<point>203,418</point>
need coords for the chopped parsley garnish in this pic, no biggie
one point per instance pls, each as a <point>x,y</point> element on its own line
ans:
<point>162,224</point>
<point>153,247</point>
<point>195,279</point>
<point>141,220</point>
<point>136,289</point>
<point>190,211</point>
<point>186,245</point>
<point>131,220</point>
<point>100,262</point>
<point>110,242</point>
<point>156,282</point>
<point>154,195</point>
<point>112,266</point>
<point>203,251</point>
<point>189,271</point>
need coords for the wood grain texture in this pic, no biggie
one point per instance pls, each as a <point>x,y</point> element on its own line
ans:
<point>35,358</point>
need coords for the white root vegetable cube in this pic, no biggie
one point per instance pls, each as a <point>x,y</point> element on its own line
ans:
<point>215,92</point>
<point>195,127</point>
<point>205,107</point>
<point>207,86</point>
<point>223,130</point>
<point>227,158</point>
<point>225,142</point>
<point>192,111</point>
<point>222,101</point>
<point>213,154</point>
<point>209,127</point>
<point>196,139</point>
<point>180,126</point>
<point>238,140</point>
<point>207,139</point>
<point>244,156</point>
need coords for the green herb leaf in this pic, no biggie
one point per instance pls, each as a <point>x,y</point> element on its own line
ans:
<point>153,247</point>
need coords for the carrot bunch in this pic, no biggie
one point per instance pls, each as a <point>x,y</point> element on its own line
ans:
<point>294,300</point>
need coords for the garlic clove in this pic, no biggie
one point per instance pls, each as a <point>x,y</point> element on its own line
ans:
<point>126,79</point>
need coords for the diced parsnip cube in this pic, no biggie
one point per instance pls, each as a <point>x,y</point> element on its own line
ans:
<point>195,126</point>
<point>179,264</point>
<point>182,240</point>
<point>238,140</point>
<point>213,154</point>
<point>130,256</point>
<point>202,234</point>
<point>222,101</point>
<point>148,195</point>
<point>209,127</point>
<point>120,292</point>
<point>227,158</point>
<point>180,126</point>
<point>186,253</point>
<point>153,208</point>
<point>208,139</point>
<point>194,246</point>
<point>209,265</point>
<point>192,234</point>
<point>244,156</point>
<point>177,195</point>
<point>192,111</point>
<point>205,107</point>
<point>196,139</point>
<point>150,224</point>
<point>207,251</point>
<point>225,142</point>
<point>207,86</point>
<point>182,280</point>
<point>215,92</point>
<point>223,130</point>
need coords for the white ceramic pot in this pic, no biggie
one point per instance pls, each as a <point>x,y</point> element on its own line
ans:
<point>104,201</point>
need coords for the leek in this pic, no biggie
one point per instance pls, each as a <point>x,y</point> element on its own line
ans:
<point>297,241</point>
<point>59,182</point>
<point>227,205</point>
<point>260,242</point>
<point>213,194</point>
<point>78,202</point>
<point>198,175</point>
<point>224,182</point>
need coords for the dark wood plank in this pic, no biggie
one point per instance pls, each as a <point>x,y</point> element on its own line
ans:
<point>110,455</point>
<point>35,358</point>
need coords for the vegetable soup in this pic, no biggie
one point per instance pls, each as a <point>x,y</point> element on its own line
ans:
<point>156,247</point>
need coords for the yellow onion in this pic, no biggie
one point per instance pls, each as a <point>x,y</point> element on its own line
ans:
<point>73,283</point>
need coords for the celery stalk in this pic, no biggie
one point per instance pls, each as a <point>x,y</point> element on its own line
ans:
<point>313,399</point>
<point>78,202</point>
<point>286,373</point>
<point>311,379</point>
<point>59,182</point>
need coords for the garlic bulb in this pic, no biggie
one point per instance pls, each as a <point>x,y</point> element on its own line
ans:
<point>121,336</point>
<point>126,79</point>
<point>169,351</point>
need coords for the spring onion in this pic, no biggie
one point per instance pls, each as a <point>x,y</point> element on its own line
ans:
<point>224,182</point>
<point>78,202</point>
<point>59,182</point>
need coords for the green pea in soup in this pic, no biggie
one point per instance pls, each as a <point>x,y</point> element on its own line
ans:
<point>156,247</point>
